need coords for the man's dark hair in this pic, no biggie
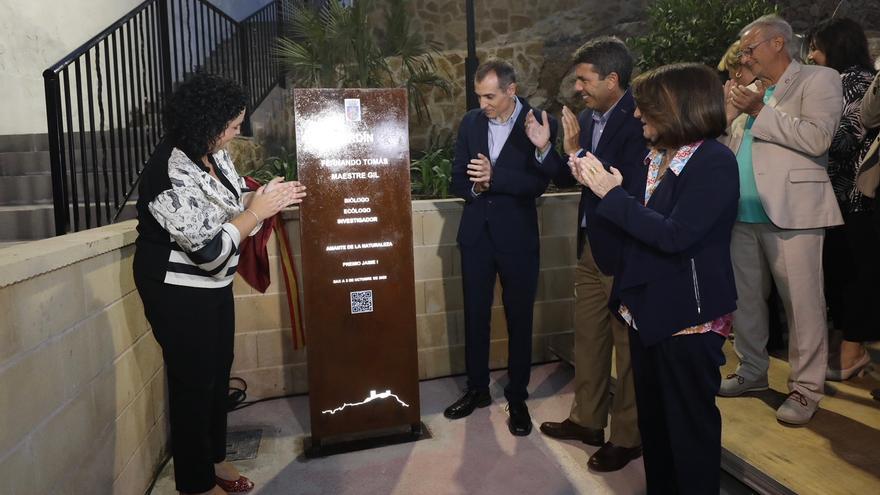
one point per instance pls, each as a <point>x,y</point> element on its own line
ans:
<point>199,110</point>
<point>606,54</point>
<point>684,103</point>
<point>843,42</point>
<point>505,72</point>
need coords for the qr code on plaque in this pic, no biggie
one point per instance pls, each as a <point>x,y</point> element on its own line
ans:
<point>362,301</point>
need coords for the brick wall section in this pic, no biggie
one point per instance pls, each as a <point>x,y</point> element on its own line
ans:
<point>264,354</point>
<point>82,392</point>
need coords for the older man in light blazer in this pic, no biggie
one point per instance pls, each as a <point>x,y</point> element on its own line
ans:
<point>786,201</point>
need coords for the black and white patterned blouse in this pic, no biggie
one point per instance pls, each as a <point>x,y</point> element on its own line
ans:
<point>185,237</point>
<point>851,142</point>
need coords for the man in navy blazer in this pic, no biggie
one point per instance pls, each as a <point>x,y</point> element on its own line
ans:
<point>495,172</point>
<point>608,129</point>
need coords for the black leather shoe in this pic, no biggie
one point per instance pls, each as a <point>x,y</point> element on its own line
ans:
<point>569,430</point>
<point>610,457</point>
<point>520,423</point>
<point>471,400</point>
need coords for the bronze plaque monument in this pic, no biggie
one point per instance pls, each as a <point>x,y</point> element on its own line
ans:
<point>352,148</point>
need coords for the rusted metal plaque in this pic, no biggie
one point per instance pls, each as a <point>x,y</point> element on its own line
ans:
<point>356,228</point>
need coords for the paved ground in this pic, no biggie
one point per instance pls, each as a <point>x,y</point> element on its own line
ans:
<point>475,455</point>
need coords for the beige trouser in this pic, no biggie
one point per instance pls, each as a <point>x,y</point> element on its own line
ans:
<point>595,330</point>
<point>794,259</point>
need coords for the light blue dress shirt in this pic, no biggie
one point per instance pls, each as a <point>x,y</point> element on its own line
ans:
<point>599,123</point>
<point>500,131</point>
<point>498,134</point>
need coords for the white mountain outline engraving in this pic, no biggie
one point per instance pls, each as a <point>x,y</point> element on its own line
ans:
<point>373,396</point>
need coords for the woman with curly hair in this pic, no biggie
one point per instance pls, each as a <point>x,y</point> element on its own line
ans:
<point>851,265</point>
<point>193,211</point>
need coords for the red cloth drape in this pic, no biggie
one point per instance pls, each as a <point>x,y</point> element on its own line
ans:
<point>253,261</point>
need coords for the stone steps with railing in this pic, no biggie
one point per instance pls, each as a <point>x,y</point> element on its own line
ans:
<point>26,209</point>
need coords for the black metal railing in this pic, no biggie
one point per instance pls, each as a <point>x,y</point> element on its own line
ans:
<point>104,101</point>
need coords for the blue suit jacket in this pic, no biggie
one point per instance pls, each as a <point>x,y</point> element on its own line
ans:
<point>675,269</point>
<point>508,207</point>
<point>622,146</point>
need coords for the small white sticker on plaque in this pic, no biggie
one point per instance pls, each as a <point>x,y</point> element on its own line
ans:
<point>352,109</point>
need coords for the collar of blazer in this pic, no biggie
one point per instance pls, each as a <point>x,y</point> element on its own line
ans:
<point>623,111</point>
<point>482,130</point>
<point>784,83</point>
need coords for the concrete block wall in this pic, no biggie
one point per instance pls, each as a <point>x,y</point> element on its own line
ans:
<point>264,354</point>
<point>82,388</point>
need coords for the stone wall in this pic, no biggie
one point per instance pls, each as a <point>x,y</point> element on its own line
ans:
<point>537,37</point>
<point>447,110</point>
<point>444,21</point>
<point>82,388</point>
<point>496,21</point>
<point>559,27</point>
<point>804,13</point>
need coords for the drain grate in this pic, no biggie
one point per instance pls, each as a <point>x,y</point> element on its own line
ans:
<point>243,444</point>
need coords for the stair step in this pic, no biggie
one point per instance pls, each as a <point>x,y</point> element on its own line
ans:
<point>24,142</point>
<point>23,189</point>
<point>31,222</point>
<point>37,188</point>
<point>24,162</point>
<point>40,142</point>
<point>24,223</point>
<point>39,162</point>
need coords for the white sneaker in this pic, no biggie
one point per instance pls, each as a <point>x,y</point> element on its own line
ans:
<point>735,385</point>
<point>797,409</point>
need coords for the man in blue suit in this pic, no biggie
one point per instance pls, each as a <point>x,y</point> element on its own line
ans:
<point>495,171</point>
<point>608,129</point>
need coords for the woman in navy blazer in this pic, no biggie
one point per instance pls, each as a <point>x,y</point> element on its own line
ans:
<point>674,282</point>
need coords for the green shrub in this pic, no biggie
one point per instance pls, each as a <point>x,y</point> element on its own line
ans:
<point>431,173</point>
<point>694,30</point>
<point>281,165</point>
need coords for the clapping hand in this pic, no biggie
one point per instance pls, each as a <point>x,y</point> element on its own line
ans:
<point>294,192</point>
<point>590,172</point>
<point>730,109</point>
<point>539,134</point>
<point>480,172</point>
<point>744,99</point>
<point>571,130</point>
<point>274,196</point>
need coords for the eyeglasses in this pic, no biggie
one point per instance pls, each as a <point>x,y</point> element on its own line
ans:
<point>747,51</point>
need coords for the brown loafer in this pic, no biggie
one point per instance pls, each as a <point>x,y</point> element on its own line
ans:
<point>610,457</point>
<point>569,430</point>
